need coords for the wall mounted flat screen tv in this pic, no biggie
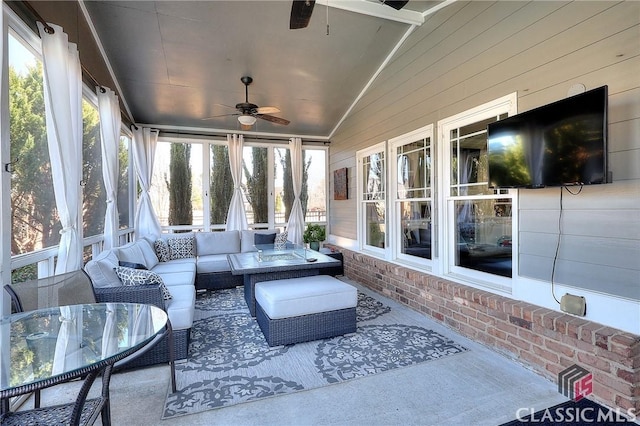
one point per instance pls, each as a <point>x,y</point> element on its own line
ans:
<point>559,144</point>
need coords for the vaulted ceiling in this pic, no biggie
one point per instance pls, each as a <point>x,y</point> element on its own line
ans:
<point>179,63</point>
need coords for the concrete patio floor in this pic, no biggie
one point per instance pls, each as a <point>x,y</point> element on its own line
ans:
<point>480,387</point>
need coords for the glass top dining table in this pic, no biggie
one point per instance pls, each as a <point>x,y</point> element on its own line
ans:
<point>52,345</point>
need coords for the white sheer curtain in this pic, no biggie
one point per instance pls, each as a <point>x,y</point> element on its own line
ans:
<point>295,226</point>
<point>63,112</point>
<point>236,217</point>
<point>109,109</point>
<point>144,150</point>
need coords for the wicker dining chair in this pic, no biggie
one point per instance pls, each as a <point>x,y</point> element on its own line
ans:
<point>73,288</point>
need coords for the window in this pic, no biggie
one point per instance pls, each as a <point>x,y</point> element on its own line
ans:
<point>255,184</point>
<point>372,196</point>
<point>412,177</point>
<point>313,192</point>
<point>34,218</point>
<point>94,197</point>
<point>176,186</point>
<point>125,182</point>
<point>479,223</point>
<point>220,184</point>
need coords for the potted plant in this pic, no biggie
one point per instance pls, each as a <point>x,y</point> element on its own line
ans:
<point>314,234</point>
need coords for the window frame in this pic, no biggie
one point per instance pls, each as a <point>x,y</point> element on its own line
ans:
<point>361,209</point>
<point>446,202</point>
<point>426,132</point>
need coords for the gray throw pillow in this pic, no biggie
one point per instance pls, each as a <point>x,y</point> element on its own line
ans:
<point>181,248</point>
<point>260,239</point>
<point>162,250</point>
<point>280,242</point>
<point>130,276</point>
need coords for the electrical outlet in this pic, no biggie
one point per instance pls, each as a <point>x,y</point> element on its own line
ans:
<point>575,305</point>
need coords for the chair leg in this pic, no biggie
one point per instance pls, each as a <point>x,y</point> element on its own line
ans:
<point>106,408</point>
<point>172,355</point>
<point>36,398</point>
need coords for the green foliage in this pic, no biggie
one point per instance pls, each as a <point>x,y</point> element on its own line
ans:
<point>256,189</point>
<point>34,216</point>
<point>180,208</point>
<point>314,232</point>
<point>94,198</point>
<point>221,184</point>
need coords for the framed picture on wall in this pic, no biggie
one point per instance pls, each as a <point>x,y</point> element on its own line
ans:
<point>340,184</point>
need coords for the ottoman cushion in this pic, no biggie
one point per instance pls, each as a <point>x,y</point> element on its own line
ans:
<point>306,295</point>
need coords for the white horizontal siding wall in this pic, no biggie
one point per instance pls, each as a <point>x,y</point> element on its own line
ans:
<point>472,52</point>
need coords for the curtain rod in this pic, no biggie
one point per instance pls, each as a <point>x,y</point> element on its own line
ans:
<point>85,72</point>
<point>246,137</point>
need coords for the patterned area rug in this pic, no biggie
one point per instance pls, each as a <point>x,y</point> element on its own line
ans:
<point>230,362</point>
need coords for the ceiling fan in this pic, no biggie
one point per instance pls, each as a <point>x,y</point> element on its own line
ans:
<point>248,112</point>
<point>301,11</point>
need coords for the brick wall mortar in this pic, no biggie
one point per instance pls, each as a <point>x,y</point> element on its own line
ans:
<point>544,340</point>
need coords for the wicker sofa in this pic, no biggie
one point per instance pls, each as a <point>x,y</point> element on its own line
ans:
<point>186,263</point>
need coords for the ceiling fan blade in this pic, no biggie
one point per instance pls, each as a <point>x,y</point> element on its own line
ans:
<point>226,106</point>
<point>301,13</point>
<point>273,119</point>
<point>267,110</point>
<point>397,5</point>
<point>218,116</point>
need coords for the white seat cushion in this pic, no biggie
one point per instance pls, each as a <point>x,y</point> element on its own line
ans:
<point>306,295</point>
<point>178,278</point>
<point>180,306</point>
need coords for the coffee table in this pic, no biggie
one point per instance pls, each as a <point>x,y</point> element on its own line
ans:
<point>268,263</point>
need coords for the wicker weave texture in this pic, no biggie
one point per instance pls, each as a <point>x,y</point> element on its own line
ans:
<point>147,294</point>
<point>56,415</point>
<point>305,328</point>
<point>159,354</point>
<point>250,281</point>
<point>218,280</point>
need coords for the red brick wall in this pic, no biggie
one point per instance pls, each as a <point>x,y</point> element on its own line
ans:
<point>545,340</point>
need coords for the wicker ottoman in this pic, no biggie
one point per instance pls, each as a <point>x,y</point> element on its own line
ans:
<point>302,309</point>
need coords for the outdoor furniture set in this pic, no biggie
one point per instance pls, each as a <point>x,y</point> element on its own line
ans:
<point>185,263</point>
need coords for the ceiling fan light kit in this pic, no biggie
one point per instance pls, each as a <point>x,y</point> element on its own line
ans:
<point>247,120</point>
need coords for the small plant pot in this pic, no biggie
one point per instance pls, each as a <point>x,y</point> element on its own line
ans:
<point>314,245</point>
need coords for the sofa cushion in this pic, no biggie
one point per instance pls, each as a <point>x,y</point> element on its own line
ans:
<point>131,252</point>
<point>149,253</point>
<point>101,272</point>
<point>217,242</point>
<point>305,295</point>
<point>181,247</point>
<point>178,277</point>
<point>130,276</point>
<point>247,238</point>
<point>131,265</point>
<point>213,263</point>
<point>180,308</point>
<point>162,250</point>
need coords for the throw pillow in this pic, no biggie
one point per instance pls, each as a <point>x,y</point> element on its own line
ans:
<point>162,250</point>
<point>260,239</point>
<point>181,248</point>
<point>130,276</point>
<point>280,242</point>
<point>131,265</point>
